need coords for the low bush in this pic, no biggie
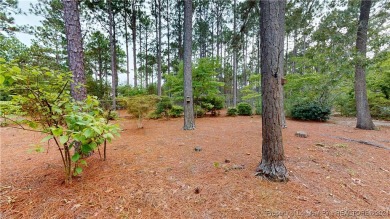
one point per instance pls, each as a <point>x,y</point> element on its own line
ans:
<point>44,97</point>
<point>207,106</point>
<point>232,111</point>
<point>244,109</point>
<point>141,105</point>
<point>212,104</point>
<point>199,112</point>
<point>154,115</point>
<point>111,115</point>
<point>176,111</point>
<point>164,106</point>
<point>311,111</point>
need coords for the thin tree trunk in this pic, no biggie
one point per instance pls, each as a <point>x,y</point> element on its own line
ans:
<point>127,47</point>
<point>146,58</point>
<point>212,33</point>
<point>364,120</point>
<point>258,51</point>
<point>156,29</point>
<point>159,74</point>
<point>286,58</point>
<point>180,33</point>
<point>140,52</point>
<point>75,49</point>
<point>189,121</point>
<point>100,64</point>
<point>245,54</point>
<point>272,42</point>
<point>234,57</point>
<point>168,39</point>
<point>218,22</point>
<point>134,30</point>
<point>294,52</point>
<point>115,55</point>
<point>112,49</point>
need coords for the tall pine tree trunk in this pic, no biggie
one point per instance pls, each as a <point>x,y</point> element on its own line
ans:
<point>127,47</point>
<point>115,56</point>
<point>234,57</point>
<point>100,64</point>
<point>272,24</point>
<point>75,49</point>
<point>134,35</point>
<point>159,74</point>
<point>180,31</point>
<point>189,121</point>
<point>112,50</point>
<point>364,120</point>
<point>146,58</point>
<point>168,39</point>
<point>140,52</point>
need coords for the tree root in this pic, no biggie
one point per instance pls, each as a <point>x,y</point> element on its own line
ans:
<point>360,141</point>
<point>273,171</point>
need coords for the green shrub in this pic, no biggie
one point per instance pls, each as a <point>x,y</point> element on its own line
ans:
<point>207,106</point>
<point>232,111</point>
<point>42,95</point>
<point>164,106</point>
<point>216,101</point>
<point>244,109</point>
<point>121,103</point>
<point>212,104</point>
<point>311,87</point>
<point>154,115</point>
<point>311,111</point>
<point>379,106</point>
<point>141,105</point>
<point>259,109</point>
<point>151,89</point>
<point>199,112</point>
<point>176,111</point>
<point>128,91</point>
<point>111,115</point>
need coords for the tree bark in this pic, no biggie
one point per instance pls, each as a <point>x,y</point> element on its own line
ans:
<point>168,39</point>
<point>364,120</point>
<point>75,49</point>
<point>115,55</point>
<point>112,50</point>
<point>134,35</point>
<point>146,58</point>
<point>272,24</point>
<point>159,74</point>
<point>189,120</point>
<point>180,32</point>
<point>127,47</point>
<point>100,64</point>
<point>234,57</point>
<point>140,52</point>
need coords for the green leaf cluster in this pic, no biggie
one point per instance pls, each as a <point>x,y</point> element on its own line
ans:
<point>244,109</point>
<point>43,96</point>
<point>311,111</point>
<point>205,84</point>
<point>141,105</point>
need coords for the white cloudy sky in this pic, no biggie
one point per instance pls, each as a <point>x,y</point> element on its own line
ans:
<point>33,20</point>
<point>26,20</point>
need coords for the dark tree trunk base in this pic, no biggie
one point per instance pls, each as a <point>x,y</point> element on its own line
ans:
<point>367,126</point>
<point>274,171</point>
<point>189,127</point>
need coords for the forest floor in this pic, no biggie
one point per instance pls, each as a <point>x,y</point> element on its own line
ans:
<point>155,172</point>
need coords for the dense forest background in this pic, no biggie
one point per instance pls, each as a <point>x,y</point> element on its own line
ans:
<point>147,37</point>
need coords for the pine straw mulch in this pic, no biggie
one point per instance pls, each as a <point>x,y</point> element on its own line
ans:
<point>154,172</point>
